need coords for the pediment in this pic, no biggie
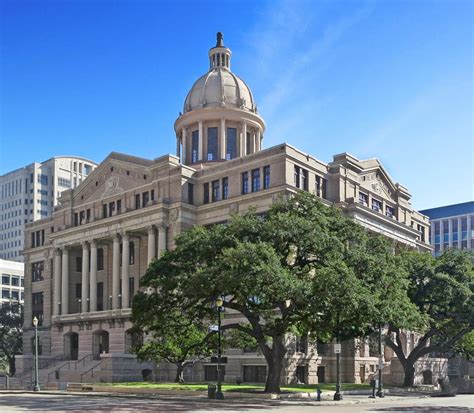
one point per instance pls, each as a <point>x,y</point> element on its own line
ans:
<point>111,177</point>
<point>377,181</point>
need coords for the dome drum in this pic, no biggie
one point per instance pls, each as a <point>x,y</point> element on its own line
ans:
<point>219,120</point>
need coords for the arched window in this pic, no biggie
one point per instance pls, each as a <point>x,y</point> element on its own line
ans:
<point>132,253</point>
<point>231,144</point>
<point>194,146</point>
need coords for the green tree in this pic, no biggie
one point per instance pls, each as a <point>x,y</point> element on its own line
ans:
<point>442,290</point>
<point>300,268</point>
<point>173,336</point>
<point>11,332</point>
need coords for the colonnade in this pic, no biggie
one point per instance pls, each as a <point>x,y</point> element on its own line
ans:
<point>120,273</point>
<point>184,139</point>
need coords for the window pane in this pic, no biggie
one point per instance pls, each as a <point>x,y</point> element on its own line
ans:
<point>231,143</point>
<point>211,144</point>
<point>194,146</point>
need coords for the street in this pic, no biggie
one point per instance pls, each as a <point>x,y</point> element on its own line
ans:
<point>22,402</point>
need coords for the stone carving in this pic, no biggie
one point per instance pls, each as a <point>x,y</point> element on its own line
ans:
<point>174,214</point>
<point>112,186</point>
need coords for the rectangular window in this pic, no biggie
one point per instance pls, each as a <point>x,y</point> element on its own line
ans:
<point>304,179</point>
<point>216,196</point>
<point>37,269</point>
<point>100,296</point>
<point>145,198</point>
<point>152,195</point>
<point>376,205</point>
<point>206,193</point>
<point>79,291</point>
<point>255,180</point>
<point>104,211</point>
<point>37,306</point>
<point>82,217</point>
<point>137,201</point>
<point>76,219</point>
<point>100,259</point>
<point>389,211</point>
<point>119,206</point>
<point>5,279</point>
<point>266,177</point>
<point>42,179</point>
<point>194,146</point>
<point>131,258</point>
<point>255,374</point>
<point>111,208</point>
<point>78,264</point>
<point>225,188</point>
<point>302,344</point>
<point>231,144</point>
<point>15,295</point>
<point>211,144</point>
<point>6,294</point>
<point>88,215</point>
<point>15,281</point>
<point>297,174</point>
<point>363,199</point>
<point>245,183</point>
<point>190,193</point>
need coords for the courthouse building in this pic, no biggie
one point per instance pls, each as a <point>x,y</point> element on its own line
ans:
<point>80,280</point>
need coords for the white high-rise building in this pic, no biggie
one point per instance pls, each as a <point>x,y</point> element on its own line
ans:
<point>13,282</point>
<point>30,193</point>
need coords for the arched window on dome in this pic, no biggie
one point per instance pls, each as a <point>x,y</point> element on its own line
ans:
<point>218,59</point>
<point>231,143</point>
<point>194,146</point>
<point>212,143</point>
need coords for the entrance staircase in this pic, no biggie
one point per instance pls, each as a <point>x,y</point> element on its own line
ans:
<point>57,372</point>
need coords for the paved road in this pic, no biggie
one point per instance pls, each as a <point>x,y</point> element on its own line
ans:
<point>74,403</point>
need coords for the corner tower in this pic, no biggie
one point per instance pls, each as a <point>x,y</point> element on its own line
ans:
<point>219,121</point>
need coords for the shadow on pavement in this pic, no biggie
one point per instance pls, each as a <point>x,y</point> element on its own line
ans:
<point>424,409</point>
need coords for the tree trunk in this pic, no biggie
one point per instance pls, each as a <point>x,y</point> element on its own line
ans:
<point>11,365</point>
<point>179,373</point>
<point>274,358</point>
<point>409,379</point>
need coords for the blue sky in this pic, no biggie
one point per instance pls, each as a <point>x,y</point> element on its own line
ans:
<point>385,79</point>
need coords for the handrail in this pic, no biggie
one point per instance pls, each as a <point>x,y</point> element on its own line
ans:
<point>58,369</point>
<point>47,364</point>
<point>82,360</point>
<point>91,370</point>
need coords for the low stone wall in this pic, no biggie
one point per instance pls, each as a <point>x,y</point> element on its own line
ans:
<point>118,367</point>
<point>427,371</point>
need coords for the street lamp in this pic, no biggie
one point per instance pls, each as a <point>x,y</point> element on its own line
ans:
<point>380,388</point>
<point>219,303</point>
<point>36,387</point>
<point>337,347</point>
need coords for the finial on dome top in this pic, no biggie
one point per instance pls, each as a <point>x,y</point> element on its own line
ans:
<point>220,40</point>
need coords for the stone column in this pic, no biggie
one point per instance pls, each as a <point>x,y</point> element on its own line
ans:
<point>441,235</point>
<point>469,232</point>
<point>116,273</point>
<point>450,232</point>
<point>201,142</point>
<point>459,233</point>
<point>85,277</point>
<point>93,280</point>
<point>57,281</point>
<point>178,147</point>
<point>223,143</point>
<point>257,138</point>
<point>65,282</point>
<point>243,144</point>
<point>161,239</point>
<point>125,268</point>
<point>151,244</point>
<point>184,154</point>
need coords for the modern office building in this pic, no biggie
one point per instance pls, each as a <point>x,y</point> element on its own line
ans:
<point>82,276</point>
<point>452,226</point>
<point>31,193</point>
<point>12,273</point>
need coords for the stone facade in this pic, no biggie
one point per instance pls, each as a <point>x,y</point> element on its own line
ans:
<point>105,232</point>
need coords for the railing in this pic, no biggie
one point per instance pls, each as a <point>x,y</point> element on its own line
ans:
<point>90,371</point>
<point>81,363</point>
<point>42,364</point>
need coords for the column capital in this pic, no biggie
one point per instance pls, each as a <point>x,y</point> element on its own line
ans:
<point>116,237</point>
<point>151,229</point>
<point>84,244</point>
<point>125,235</point>
<point>93,243</point>
<point>57,251</point>
<point>162,225</point>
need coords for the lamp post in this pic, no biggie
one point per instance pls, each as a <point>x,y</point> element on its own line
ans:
<point>219,303</point>
<point>36,387</point>
<point>338,394</point>
<point>380,388</point>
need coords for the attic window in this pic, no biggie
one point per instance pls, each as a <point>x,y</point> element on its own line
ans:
<point>96,183</point>
<point>128,172</point>
<point>144,176</point>
<point>82,197</point>
<point>112,168</point>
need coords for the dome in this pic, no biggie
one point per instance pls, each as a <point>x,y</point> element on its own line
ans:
<point>219,86</point>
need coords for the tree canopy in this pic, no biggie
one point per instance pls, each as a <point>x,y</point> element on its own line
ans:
<point>302,267</point>
<point>11,332</point>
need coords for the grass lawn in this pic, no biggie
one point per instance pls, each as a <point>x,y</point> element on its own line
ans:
<point>248,387</point>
